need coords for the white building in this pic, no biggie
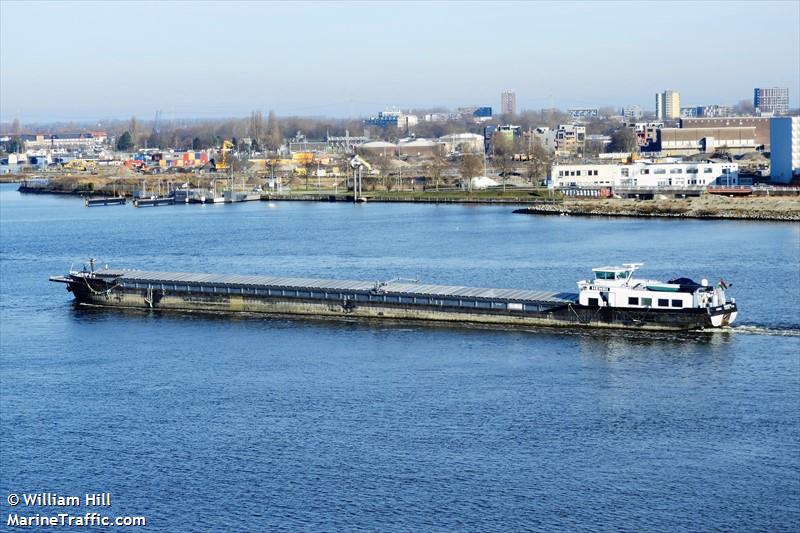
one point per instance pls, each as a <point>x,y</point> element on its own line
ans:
<point>646,174</point>
<point>785,148</point>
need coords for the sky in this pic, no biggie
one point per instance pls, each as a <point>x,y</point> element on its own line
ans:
<point>73,61</point>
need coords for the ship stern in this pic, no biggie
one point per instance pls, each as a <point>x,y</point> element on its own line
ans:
<point>722,315</point>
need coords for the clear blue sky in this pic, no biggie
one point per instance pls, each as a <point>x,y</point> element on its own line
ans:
<point>96,60</point>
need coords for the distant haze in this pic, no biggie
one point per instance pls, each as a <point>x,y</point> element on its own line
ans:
<point>84,61</point>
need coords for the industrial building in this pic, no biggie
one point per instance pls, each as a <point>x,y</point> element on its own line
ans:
<point>477,114</point>
<point>66,142</point>
<point>668,105</point>
<point>345,144</point>
<point>397,119</point>
<point>688,141</point>
<point>771,100</point>
<point>785,153</point>
<point>761,125</point>
<point>706,111</point>
<point>675,175</point>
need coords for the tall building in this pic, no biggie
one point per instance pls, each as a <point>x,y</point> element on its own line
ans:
<point>668,105</point>
<point>508,103</point>
<point>785,150</point>
<point>771,100</point>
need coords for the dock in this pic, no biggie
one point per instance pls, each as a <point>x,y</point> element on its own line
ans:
<point>94,202</point>
<point>154,202</point>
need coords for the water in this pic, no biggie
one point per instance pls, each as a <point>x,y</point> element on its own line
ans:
<point>208,423</point>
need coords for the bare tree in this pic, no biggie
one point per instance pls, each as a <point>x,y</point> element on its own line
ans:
<point>539,161</point>
<point>624,140</point>
<point>274,138</point>
<point>384,166</point>
<point>435,167</point>
<point>256,130</point>
<point>504,148</point>
<point>470,167</point>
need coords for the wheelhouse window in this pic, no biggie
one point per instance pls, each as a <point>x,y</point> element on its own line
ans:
<point>622,274</point>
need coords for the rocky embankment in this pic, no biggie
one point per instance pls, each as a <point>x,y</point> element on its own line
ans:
<point>786,208</point>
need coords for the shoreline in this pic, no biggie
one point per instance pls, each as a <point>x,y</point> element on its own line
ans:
<point>708,207</point>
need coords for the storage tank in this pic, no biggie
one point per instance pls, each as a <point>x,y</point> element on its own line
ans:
<point>418,148</point>
<point>465,143</point>
<point>377,149</point>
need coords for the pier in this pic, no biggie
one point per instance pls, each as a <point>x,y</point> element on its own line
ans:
<point>154,202</point>
<point>94,202</point>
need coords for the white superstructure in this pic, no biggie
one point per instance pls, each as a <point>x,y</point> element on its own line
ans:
<point>615,286</point>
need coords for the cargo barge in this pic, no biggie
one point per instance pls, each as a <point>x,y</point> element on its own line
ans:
<point>613,299</point>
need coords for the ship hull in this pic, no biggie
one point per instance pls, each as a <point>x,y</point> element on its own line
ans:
<point>95,292</point>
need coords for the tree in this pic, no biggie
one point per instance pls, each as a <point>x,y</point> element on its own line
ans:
<point>274,138</point>
<point>308,167</point>
<point>435,167</point>
<point>133,128</point>
<point>470,167</point>
<point>197,144</point>
<point>256,129</point>
<point>16,128</point>
<point>624,140</point>
<point>504,147</point>
<point>384,165</point>
<point>125,142</point>
<point>154,140</point>
<point>592,148</point>
<point>539,161</point>
<point>14,145</point>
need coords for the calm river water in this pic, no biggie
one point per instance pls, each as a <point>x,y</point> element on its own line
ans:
<point>223,424</point>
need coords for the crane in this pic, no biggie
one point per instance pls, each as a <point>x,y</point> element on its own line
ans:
<point>224,163</point>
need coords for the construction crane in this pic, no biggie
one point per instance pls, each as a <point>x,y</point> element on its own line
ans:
<point>224,162</point>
